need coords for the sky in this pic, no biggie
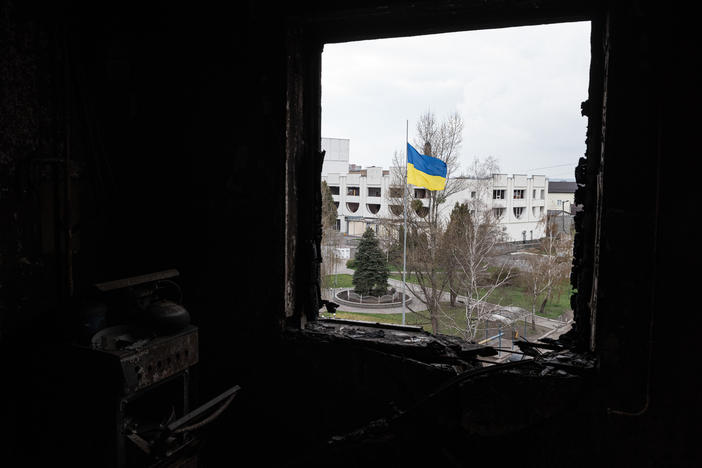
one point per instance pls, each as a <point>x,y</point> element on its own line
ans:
<point>518,90</point>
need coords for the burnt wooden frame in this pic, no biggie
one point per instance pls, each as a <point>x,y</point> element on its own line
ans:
<point>306,37</point>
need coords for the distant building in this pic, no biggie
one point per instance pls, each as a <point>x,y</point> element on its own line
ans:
<point>561,204</point>
<point>518,201</point>
<point>561,196</point>
<point>361,196</point>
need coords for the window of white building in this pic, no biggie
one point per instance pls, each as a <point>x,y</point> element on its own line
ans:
<point>420,193</point>
<point>518,194</point>
<point>395,192</point>
<point>518,211</point>
<point>397,210</point>
<point>498,194</point>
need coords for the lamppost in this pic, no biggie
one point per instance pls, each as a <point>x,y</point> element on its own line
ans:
<point>563,202</point>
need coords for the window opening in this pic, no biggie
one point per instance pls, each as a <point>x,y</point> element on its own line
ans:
<point>490,199</point>
<point>420,193</point>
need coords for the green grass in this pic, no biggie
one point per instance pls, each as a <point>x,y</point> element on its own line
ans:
<point>411,277</point>
<point>509,295</point>
<point>451,322</point>
<point>342,281</point>
<point>514,295</point>
<point>411,319</point>
<point>390,267</point>
<point>446,321</point>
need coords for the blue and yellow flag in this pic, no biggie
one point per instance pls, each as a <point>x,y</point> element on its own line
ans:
<point>425,171</point>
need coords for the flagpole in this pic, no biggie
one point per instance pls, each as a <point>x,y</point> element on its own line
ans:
<point>404,247</point>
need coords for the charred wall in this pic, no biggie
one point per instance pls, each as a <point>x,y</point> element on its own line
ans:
<point>134,137</point>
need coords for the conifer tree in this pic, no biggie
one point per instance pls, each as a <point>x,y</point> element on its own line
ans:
<point>371,275</point>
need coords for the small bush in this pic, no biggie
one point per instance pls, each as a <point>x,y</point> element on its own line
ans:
<point>351,263</point>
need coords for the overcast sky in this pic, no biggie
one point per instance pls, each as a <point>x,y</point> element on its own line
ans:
<point>518,90</point>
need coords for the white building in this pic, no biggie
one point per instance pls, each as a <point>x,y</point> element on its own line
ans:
<point>561,195</point>
<point>360,195</point>
<point>518,201</point>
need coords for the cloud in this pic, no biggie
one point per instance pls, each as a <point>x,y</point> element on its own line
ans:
<point>518,89</point>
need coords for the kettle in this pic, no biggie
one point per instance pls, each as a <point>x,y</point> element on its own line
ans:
<point>165,316</point>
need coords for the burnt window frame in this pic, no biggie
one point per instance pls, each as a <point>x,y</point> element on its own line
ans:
<point>306,36</point>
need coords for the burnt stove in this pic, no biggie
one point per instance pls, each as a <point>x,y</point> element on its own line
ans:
<point>136,351</point>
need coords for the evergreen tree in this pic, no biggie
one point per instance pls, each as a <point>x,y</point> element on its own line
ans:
<point>371,275</point>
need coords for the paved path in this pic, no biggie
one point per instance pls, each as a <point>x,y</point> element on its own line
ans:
<point>419,306</point>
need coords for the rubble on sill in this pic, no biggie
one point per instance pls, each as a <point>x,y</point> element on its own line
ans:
<point>411,342</point>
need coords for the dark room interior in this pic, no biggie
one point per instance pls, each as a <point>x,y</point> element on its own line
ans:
<point>135,138</point>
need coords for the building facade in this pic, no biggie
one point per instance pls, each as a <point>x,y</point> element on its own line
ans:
<point>361,196</point>
<point>561,196</point>
<point>518,202</point>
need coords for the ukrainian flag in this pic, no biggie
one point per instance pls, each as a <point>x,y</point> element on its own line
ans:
<point>425,171</point>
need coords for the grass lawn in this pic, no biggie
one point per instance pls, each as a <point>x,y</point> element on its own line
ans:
<point>411,319</point>
<point>342,281</point>
<point>510,295</point>
<point>453,318</point>
<point>517,296</point>
<point>452,322</point>
<point>390,267</point>
<point>411,277</point>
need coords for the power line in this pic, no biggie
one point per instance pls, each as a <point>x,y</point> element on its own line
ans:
<point>551,167</point>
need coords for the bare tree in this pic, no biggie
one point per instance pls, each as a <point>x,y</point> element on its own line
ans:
<point>441,140</point>
<point>472,248</point>
<point>425,263</point>
<point>425,229</point>
<point>547,268</point>
<point>330,239</point>
<point>477,185</point>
